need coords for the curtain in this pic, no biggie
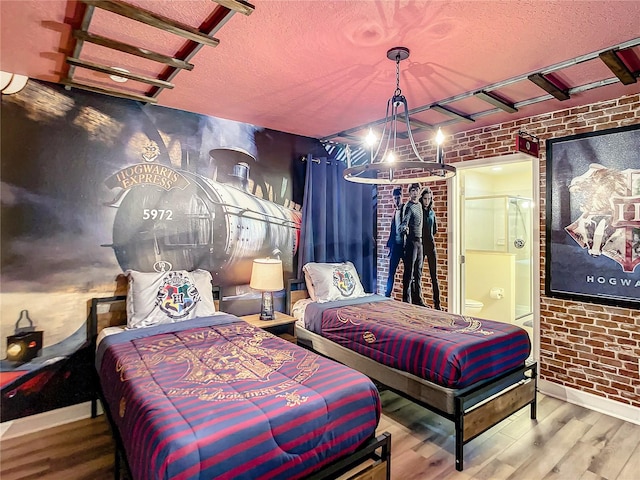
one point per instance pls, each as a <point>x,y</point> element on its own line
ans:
<point>338,220</point>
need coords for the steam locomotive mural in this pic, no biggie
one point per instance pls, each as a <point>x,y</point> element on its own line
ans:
<point>176,219</point>
<point>94,185</point>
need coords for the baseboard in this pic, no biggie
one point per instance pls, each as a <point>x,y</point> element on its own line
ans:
<point>42,421</point>
<point>612,408</point>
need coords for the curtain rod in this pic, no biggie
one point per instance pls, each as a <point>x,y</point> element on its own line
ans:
<point>314,160</point>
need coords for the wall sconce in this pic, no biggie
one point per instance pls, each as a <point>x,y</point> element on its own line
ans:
<point>12,82</point>
<point>266,276</point>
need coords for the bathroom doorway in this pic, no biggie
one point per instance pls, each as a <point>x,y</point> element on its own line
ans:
<point>496,239</point>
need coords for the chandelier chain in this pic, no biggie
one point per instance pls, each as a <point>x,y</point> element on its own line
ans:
<point>398,92</point>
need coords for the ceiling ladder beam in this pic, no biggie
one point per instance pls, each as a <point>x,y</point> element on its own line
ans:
<point>549,87</point>
<point>108,91</point>
<point>119,73</point>
<point>154,20</point>
<point>353,138</point>
<point>510,81</point>
<point>216,20</point>
<point>496,101</point>
<point>239,6</point>
<point>132,50</point>
<point>451,113</point>
<point>84,25</point>
<point>418,123</point>
<point>617,66</point>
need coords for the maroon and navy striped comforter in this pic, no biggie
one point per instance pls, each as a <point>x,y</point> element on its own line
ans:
<point>451,350</point>
<point>218,398</point>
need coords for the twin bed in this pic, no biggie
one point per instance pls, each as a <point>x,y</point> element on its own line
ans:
<point>197,394</point>
<point>471,371</point>
<point>203,394</point>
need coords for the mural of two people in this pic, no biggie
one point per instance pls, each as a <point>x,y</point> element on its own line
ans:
<point>411,239</point>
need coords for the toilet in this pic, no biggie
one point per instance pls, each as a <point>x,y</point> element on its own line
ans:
<point>472,307</point>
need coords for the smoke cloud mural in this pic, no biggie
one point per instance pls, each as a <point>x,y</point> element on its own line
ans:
<point>93,186</point>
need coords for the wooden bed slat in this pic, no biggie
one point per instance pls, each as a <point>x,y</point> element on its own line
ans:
<point>298,295</point>
<point>494,411</point>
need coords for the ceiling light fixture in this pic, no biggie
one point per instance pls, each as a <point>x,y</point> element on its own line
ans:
<point>118,78</point>
<point>384,163</point>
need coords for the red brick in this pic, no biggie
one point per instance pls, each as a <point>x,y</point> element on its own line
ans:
<point>612,347</point>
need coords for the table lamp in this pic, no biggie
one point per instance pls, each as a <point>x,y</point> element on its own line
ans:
<point>266,276</point>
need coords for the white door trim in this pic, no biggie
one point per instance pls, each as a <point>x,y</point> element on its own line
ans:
<point>453,235</point>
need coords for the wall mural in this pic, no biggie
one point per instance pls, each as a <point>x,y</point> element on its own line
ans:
<point>93,186</point>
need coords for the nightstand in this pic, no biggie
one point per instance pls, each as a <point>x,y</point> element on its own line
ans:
<point>283,325</point>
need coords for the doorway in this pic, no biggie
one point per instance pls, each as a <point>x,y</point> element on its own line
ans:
<point>495,238</point>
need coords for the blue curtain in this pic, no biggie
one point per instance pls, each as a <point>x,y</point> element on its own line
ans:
<point>338,220</point>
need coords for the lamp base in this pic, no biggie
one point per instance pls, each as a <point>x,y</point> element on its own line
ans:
<point>266,309</point>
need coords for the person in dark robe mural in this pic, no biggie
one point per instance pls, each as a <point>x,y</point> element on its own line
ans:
<point>395,243</point>
<point>413,259</point>
<point>429,229</point>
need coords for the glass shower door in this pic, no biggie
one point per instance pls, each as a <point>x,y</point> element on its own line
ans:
<point>499,251</point>
<point>519,212</point>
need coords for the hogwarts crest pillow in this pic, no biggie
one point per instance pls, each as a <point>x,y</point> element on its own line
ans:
<point>168,297</point>
<point>334,281</point>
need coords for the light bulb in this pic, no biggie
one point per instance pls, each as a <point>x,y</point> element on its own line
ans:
<point>371,138</point>
<point>439,137</point>
<point>391,156</point>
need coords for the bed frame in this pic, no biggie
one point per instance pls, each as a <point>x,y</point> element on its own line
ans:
<point>372,461</point>
<point>473,409</point>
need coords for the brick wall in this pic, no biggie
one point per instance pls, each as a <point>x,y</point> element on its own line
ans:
<point>588,347</point>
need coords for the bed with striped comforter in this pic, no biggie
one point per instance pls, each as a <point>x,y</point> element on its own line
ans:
<point>450,350</point>
<point>216,397</point>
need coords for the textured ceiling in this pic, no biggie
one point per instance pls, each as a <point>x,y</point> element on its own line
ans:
<point>316,68</point>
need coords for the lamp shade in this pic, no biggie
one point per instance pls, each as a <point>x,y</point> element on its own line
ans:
<point>266,275</point>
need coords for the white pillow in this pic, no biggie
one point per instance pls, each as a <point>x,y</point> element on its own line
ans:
<point>168,297</point>
<point>334,281</point>
<point>310,290</point>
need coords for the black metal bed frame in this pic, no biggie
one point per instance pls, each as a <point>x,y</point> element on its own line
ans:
<point>518,385</point>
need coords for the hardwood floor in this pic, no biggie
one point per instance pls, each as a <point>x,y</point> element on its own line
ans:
<point>567,442</point>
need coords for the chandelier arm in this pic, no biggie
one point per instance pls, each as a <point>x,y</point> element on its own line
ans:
<point>413,143</point>
<point>394,125</point>
<point>384,132</point>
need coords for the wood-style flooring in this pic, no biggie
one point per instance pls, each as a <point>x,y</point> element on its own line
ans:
<point>566,442</point>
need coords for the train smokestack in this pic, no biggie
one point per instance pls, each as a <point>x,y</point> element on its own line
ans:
<point>240,176</point>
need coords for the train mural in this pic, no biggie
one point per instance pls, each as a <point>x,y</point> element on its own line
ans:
<point>93,186</point>
<point>170,219</point>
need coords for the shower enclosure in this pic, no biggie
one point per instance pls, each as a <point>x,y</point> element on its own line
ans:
<point>503,223</point>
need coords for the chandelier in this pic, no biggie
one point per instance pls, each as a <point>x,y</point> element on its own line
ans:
<point>383,164</point>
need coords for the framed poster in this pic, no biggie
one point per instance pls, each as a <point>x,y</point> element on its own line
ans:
<point>593,217</point>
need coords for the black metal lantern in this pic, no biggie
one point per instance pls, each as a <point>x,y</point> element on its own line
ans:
<point>26,342</point>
